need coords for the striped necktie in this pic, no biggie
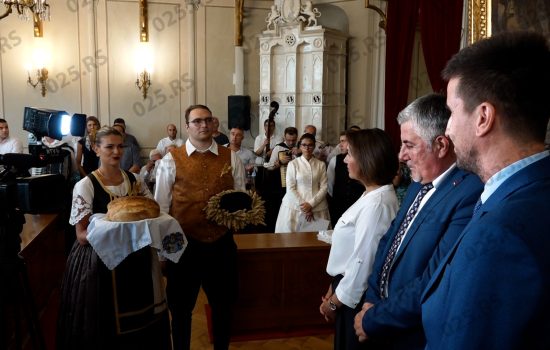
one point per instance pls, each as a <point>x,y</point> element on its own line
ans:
<point>385,273</point>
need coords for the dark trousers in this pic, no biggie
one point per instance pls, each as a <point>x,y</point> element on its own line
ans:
<point>344,331</point>
<point>214,266</point>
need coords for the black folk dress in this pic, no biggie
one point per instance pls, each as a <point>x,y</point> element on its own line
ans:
<point>104,309</point>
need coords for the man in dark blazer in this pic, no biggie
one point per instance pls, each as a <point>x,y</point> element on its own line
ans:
<point>391,313</point>
<point>492,291</point>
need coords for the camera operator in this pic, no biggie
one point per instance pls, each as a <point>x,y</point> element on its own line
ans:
<point>8,144</point>
<point>60,157</point>
<point>63,162</point>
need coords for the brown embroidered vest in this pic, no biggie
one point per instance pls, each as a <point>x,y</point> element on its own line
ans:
<point>199,177</point>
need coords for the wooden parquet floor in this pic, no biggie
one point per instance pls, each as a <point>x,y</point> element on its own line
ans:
<point>200,341</point>
<point>199,333</point>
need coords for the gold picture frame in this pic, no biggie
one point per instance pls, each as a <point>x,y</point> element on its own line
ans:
<point>490,17</point>
<point>479,20</point>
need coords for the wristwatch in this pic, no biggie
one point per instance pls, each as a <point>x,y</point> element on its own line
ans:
<point>331,305</point>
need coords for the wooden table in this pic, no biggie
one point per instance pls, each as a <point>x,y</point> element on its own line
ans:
<point>42,247</point>
<point>281,280</point>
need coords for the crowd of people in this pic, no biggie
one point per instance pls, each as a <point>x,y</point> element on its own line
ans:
<point>458,261</point>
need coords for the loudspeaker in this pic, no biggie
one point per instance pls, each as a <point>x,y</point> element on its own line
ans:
<point>238,111</point>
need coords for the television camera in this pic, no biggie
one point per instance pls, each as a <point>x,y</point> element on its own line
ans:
<point>21,193</point>
<point>37,194</point>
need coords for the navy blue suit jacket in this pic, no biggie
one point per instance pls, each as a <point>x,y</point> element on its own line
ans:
<point>432,234</point>
<point>493,289</point>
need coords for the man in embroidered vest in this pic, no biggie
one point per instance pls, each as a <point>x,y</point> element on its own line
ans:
<point>186,179</point>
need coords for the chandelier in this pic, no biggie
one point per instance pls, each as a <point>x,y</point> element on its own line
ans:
<point>27,9</point>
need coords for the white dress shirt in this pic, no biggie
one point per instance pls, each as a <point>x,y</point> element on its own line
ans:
<point>246,155</point>
<point>11,145</point>
<point>331,175</point>
<point>166,174</point>
<point>165,142</point>
<point>355,240</point>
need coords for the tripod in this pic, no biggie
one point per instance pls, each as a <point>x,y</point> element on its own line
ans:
<point>16,301</point>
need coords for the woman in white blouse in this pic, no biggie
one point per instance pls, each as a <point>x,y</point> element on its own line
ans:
<point>306,190</point>
<point>372,160</point>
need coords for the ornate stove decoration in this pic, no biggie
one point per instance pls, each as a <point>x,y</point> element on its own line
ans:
<point>292,11</point>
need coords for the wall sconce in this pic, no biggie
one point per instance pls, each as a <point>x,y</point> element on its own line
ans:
<point>41,76</point>
<point>143,82</point>
<point>143,67</point>
<point>40,59</point>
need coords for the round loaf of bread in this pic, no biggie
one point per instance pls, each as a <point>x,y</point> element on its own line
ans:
<point>132,208</point>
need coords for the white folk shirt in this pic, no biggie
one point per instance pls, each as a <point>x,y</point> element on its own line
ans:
<point>166,174</point>
<point>275,156</point>
<point>355,241</point>
<point>273,141</point>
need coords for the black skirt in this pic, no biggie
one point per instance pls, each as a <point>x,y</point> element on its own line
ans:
<point>103,309</point>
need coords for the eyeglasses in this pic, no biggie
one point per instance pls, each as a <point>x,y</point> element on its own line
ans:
<point>308,145</point>
<point>199,121</point>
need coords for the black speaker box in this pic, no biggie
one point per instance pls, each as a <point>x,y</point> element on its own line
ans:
<point>238,111</point>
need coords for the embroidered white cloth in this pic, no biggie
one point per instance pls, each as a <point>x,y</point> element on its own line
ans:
<point>114,241</point>
<point>325,236</point>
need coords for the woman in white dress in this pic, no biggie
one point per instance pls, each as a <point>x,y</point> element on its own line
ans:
<point>372,160</point>
<point>100,308</point>
<point>306,190</point>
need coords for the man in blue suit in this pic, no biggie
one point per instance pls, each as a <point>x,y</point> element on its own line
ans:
<point>391,313</point>
<point>492,291</point>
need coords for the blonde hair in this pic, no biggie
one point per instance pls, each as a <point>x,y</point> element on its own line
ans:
<point>104,132</point>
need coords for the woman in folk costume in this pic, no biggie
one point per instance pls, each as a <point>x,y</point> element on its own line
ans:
<point>102,309</point>
<point>306,190</point>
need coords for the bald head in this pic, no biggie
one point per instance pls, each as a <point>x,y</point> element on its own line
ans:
<point>172,131</point>
<point>310,129</point>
